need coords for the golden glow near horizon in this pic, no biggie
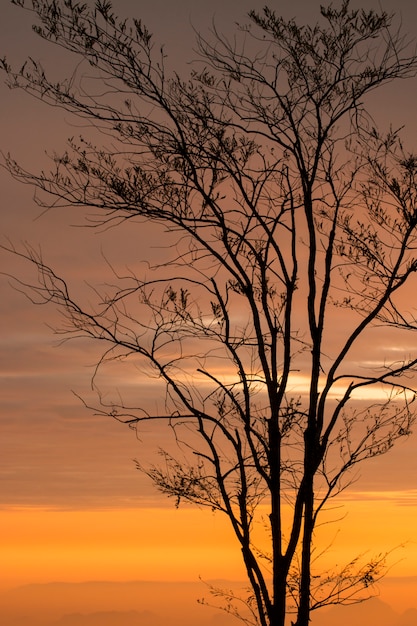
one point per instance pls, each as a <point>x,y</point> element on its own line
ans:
<point>168,544</point>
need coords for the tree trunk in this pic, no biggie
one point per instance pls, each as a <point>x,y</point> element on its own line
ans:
<point>303,617</point>
<point>278,608</point>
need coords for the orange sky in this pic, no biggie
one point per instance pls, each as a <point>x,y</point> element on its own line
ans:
<point>164,544</point>
<point>72,505</point>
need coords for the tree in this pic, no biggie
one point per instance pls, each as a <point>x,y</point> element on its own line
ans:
<point>287,204</point>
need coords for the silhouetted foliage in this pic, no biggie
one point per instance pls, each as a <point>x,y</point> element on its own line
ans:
<point>289,206</point>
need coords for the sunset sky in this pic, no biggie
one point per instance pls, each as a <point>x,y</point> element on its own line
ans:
<point>73,507</point>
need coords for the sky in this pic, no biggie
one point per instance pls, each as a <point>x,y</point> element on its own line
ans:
<point>73,507</point>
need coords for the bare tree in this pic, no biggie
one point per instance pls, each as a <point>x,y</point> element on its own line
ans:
<point>287,205</point>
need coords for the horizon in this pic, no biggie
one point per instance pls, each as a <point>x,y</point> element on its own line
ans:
<point>152,602</point>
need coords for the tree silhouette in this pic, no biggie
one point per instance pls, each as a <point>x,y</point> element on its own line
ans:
<point>288,207</point>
